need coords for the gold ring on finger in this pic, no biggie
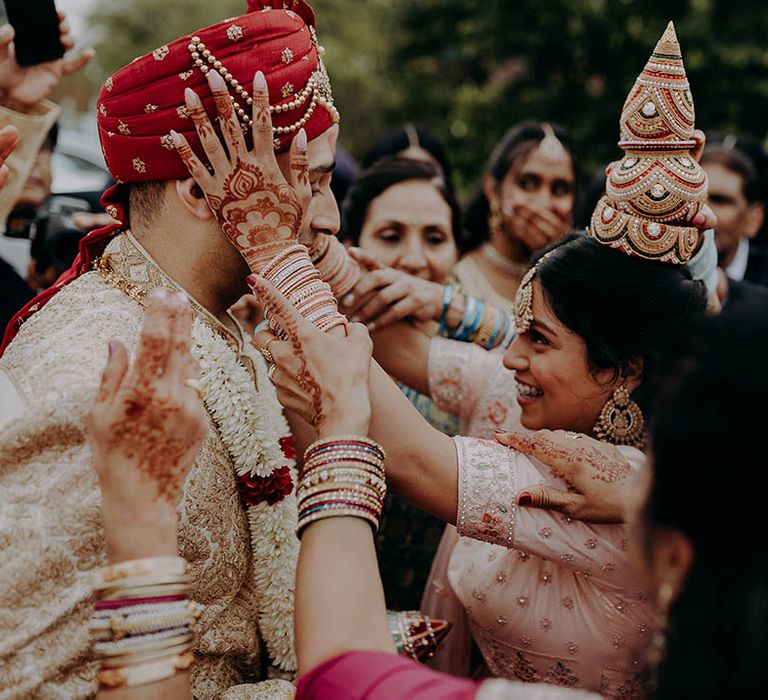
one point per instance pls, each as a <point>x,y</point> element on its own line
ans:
<point>271,372</point>
<point>267,355</point>
<point>195,385</point>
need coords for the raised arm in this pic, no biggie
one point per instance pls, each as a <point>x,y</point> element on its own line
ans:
<point>145,430</point>
<point>421,461</point>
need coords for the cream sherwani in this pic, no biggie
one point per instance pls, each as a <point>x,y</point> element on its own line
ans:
<point>51,532</point>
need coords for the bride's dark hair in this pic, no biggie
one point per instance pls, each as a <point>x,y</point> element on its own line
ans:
<point>625,308</point>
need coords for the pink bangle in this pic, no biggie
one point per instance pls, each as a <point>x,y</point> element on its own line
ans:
<point>125,602</point>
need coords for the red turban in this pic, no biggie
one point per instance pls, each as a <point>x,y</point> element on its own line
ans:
<point>141,103</point>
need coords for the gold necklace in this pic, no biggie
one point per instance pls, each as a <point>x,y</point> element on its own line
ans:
<point>513,268</point>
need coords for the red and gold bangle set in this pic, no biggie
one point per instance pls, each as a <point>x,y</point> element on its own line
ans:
<point>342,476</point>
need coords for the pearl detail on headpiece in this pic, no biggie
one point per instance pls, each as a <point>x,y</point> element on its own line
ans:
<point>317,91</point>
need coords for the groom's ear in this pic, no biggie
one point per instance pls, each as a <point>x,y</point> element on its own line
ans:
<point>192,199</point>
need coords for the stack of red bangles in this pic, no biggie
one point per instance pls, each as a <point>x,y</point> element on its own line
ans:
<point>336,266</point>
<point>142,624</point>
<point>342,476</point>
<point>299,281</point>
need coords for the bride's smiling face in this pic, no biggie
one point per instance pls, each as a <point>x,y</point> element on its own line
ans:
<point>556,388</point>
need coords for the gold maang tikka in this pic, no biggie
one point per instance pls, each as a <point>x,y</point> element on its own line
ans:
<point>522,309</point>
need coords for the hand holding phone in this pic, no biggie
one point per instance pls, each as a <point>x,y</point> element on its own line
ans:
<point>36,23</point>
<point>22,87</point>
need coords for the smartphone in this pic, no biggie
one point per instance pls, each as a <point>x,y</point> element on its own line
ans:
<point>37,31</point>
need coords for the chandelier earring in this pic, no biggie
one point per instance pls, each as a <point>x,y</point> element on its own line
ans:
<point>621,421</point>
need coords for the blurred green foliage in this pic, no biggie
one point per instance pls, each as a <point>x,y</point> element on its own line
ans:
<point>469,69</point>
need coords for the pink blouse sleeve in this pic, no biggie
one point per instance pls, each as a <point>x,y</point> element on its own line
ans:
<point>490,477</point>
<point>376,675</point>
<point>457,374</point>
<point>372,675</point>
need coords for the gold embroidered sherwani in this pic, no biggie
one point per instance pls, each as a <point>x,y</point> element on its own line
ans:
<point>51,532</point>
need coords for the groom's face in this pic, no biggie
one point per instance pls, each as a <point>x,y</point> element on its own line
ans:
<point>322,216</point>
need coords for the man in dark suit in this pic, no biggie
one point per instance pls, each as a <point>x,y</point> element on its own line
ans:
<point>736,193</point>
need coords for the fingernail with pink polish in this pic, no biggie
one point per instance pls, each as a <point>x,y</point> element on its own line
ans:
<point>259,81</point>
<point>175,138</point>
<point>215,80</point>
<point>699,219</point>
<point>111,348</point>
<point>347,300</point>
<point>301,140</point>
<point>251,280</point>
<point>191,97</point>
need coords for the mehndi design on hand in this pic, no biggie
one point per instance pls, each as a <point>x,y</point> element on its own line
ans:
<point>258,210</point>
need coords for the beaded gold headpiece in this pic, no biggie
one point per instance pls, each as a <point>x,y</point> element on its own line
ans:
<point>657,188</point>
<point>316,92</point>
<point>522,309</point>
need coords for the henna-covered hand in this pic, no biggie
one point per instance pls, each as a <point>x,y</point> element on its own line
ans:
<point>147,425</point>
<point>323,377</point>
<point>597,474</point>
<point>260,212</point>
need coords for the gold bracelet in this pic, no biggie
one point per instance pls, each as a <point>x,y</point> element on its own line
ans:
<point>157,670</point>
<point>488,325</point>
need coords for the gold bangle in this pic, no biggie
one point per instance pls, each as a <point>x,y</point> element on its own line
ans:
<point>157,670</point>
<point>484,333</point>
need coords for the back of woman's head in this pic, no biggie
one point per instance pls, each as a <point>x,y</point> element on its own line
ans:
<point>710,481</point>
<point>409,138</point>
<point>511,152</point>
<point>624,308</point>
<point>382,175</point>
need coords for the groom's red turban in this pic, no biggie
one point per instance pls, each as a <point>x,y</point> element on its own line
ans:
<point>140,104</point>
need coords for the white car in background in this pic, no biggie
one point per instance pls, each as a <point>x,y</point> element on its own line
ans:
<point>78,165</point>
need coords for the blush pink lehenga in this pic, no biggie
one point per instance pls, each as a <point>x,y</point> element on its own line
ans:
<point>544,598</point>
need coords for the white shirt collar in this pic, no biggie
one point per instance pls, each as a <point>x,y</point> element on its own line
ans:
<point>738,268</point>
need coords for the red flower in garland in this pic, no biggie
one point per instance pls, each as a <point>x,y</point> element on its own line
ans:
<point>272,488</point>
<point>288,446</point>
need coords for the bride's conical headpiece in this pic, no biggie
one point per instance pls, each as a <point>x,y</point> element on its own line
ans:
<point>657,188</point>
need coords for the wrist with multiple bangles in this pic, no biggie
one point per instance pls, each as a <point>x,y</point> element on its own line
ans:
<point>480,323</point>
<point>342,476</point>
<point>293,273</point>
<point>142,623</point>
<point>336,266</point>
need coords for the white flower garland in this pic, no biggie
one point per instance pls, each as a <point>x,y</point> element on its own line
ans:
<point>251,424</point>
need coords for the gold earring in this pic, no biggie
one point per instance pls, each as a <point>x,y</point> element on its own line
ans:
<point>621,421</point>
<point>494,218</point>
